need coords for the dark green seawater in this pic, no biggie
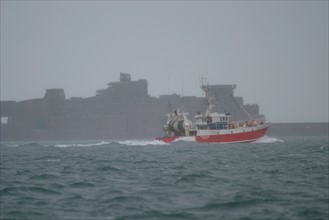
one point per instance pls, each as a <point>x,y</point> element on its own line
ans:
<point>270,179</point>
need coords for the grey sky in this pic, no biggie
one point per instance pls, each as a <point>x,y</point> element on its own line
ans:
<point>276,52</point>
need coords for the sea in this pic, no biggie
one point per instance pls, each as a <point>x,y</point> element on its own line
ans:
<point>272,178</point>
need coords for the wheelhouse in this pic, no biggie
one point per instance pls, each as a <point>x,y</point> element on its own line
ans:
<point>212,121</point>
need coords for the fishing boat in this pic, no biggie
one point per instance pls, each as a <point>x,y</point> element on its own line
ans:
<point>217,128</point>
<point>213,127</point>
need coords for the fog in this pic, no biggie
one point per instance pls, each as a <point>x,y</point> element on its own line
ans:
<point>276,52</point>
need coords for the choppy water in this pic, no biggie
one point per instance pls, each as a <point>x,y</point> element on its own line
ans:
<point>270,179</point>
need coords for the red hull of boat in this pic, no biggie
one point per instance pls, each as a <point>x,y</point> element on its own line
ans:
<point>167,139</point>
<point>241,137</point>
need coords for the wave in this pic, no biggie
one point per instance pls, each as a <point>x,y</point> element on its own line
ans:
<point>82,145</point>
<point>101,143</point>
<point>187,139</point>
<point>267,139</point>
<point>33,144</point>
<point>82,184</point>
<point>43,177</point>
<point>9,145</point>
<point>124,142</point>
<point>141,142</point>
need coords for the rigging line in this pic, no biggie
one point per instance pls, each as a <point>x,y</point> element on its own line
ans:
<point>242,108</point>
<point>182,95</point>
<point>168,80</point>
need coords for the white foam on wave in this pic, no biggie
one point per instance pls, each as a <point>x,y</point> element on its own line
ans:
<point>267,139</point>
<point>124,142</point>
<point>187,139</point>
<point>141,142</point>
<point>82,145</point>
<point>53,160</point>
<point>12,145</point>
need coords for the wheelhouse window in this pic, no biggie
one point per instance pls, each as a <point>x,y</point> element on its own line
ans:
<point>202,127</point>
<point>223,119</point>
<point>212,126</point>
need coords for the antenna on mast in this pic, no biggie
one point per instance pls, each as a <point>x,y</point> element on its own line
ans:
<point>182,87</point>
<point>168,83</point>
<point>182,95</point>
<point>203,81</point>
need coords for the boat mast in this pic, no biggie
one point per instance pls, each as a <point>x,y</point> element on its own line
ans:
<point>205,89</point>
